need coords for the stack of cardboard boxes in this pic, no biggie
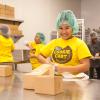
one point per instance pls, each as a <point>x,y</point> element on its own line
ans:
<point>2,10</point>
<point>7,16</point>
<point>7,11</point>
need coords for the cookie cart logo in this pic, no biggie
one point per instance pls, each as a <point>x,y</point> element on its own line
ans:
<point>33,51</point>
<point>62,55</point>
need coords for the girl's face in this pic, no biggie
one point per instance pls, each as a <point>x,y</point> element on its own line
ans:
<point>65,31</point>
<point>37,39</point>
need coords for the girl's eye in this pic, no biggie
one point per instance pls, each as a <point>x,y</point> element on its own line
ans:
<point>60,28</point>
<point>67,27</point>
<point>64,28</point>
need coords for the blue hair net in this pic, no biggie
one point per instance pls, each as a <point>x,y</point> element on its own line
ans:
<point>68,17</point>
<point>42,37</point>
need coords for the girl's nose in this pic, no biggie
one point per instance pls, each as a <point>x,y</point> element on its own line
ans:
<point>63,31</point>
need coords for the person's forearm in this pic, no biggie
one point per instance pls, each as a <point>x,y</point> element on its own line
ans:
<point>73,69</point>
<point>42,59</point>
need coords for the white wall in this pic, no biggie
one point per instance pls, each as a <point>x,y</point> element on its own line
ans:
<point>91,13</point>
<point>40,15</point>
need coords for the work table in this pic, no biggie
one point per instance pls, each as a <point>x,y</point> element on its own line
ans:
<point>11,88</point>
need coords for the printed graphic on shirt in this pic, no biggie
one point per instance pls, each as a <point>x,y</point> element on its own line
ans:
<point>62,55</point>
<point>33,51</point>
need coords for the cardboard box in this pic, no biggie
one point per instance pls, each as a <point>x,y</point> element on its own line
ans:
<point>28,78</point>
<point>5,70</point>
<point>28,81</point>
<point>9,11</point>
<point>2,10</point>
<point>1,6</point>
<point>47,84</point>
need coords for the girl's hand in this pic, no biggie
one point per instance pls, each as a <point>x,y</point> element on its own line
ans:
<point>32,56</point>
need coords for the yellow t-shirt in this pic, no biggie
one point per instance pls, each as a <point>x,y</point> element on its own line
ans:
<point>66,52</point>
<point>6,48</point>
<point>36,50</point>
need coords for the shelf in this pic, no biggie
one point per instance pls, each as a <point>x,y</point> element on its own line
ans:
<point>13,26</point>
<point>11,19</point>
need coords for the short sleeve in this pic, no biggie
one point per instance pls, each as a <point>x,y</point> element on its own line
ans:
<point>83,51</point>
<point>47,49</point>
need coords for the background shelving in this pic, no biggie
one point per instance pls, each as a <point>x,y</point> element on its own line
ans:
<point>7,16</point>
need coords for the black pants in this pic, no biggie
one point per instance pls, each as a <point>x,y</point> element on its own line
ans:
<point>92,73</point>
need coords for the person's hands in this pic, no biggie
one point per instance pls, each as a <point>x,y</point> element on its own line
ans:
<point>26,43</point>
<point>30,47</point>
<point>56,67</point>
<point>32,56</point>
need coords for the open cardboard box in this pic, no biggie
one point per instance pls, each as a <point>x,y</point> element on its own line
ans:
<point>43,81</point>
<point>28,81</point>
<point>47,84</point>
<point>28,78</point>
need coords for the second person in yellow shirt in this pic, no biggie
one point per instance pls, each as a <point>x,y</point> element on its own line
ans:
<point>35,47</point>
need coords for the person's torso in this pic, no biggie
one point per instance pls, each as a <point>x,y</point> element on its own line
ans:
<point>95,48</point>
<point>66,52</point>
<point>5,49</point>
<point>36,50</point>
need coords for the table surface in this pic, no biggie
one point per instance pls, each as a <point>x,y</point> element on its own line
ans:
<point>11,88</point>
<point>95,57</point>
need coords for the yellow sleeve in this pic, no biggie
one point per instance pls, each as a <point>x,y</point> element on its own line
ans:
<point>83,51</point>
<point>47,49</point>
<point>38,48</point>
